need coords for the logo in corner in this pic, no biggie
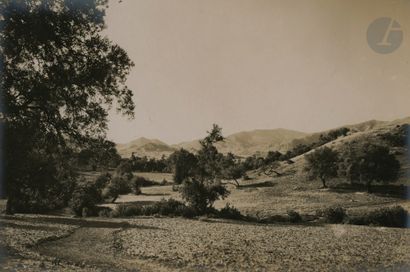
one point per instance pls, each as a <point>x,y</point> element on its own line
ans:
<point>384,35</point>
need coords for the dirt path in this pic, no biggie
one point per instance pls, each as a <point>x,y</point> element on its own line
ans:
<point>96,249</point>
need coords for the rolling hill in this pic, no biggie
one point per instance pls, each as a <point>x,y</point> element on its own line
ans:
<point>244,143</point>
<point>248,143</point>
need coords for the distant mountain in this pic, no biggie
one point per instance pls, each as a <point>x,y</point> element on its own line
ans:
<point>145,147</point>
<point>248,143</point>
<point>242,144</point>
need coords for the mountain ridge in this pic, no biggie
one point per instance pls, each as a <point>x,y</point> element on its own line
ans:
<point>244,143</point>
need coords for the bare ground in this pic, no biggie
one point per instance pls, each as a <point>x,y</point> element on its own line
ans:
<point>38,243</point>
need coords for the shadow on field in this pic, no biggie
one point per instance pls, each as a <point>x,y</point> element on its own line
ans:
<point>163,194</point>
<point>77,222</point>
<point>139,203</point>
<point>395,191</point>
<point>27,227</point>
<point>262,223</point>
<point>258,185</point>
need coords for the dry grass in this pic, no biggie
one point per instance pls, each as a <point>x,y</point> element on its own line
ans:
<point>176,244</point>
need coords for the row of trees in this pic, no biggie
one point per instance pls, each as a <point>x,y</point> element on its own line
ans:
<point>362,163</point>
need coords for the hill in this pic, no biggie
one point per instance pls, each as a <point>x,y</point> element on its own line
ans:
<point>244,144</point>
<point>145,147</point>
<point>248,143</point>
<point>255,142</point>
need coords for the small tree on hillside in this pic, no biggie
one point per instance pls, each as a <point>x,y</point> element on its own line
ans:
<point>204,187</point>
<point>120,183</point>
<point>184,164</point>
<point>232,170</point>
<point>368,163</point>
<point>322,164</point>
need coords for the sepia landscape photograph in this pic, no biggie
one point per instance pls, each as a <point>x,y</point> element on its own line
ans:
<point>204,135</point>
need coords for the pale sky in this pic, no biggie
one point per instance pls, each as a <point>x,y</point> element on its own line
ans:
<point>256,64</point>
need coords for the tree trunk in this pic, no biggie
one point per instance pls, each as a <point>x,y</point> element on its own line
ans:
<point>9,206</point>
<point>369,186</point>
<point>324,182</point>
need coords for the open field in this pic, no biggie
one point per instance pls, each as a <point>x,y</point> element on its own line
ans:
<point>38,243</point>
<point>174,244</point>
<point>64,243</point>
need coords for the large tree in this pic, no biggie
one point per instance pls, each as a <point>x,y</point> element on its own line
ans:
<point>323,164</point>
<point>204,186</point>
<point>367,163</point>
<point>184,164</point>
<point>59,78</point>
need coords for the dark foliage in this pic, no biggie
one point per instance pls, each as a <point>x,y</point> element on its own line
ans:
<point>145,164</point>
<point>387,217</point>
<point>99,153</point>
<point>59,77</point>
<point>184,165</point>
<point>164,207</point>
<point>201,195</point>
<point>143,182</point>
<point>333,215</point>
<point>294,216</point>
<point>117,186</point>
<point>84,198</point>
<point>367,163</point>
<point>204,186</point>
<point>230,212</point>
<point>322,164</point>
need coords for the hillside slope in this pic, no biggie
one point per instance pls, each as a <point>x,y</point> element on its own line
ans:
<point>244,143</point>
<point>145,147</point>
<point>248,143</point>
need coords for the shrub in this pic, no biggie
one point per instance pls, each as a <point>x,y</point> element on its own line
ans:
<point>117,186</point>
<point>85,196</point>
<point>230,212</point>
<point>333,215</point>
<point>102,180</point>
<point>132,210</point>
<point>294,216</point>
<point>170,207</point>
<point>201,195</point>
<point>388,217</point>
<point>105,212</point>
<point>143,182</point>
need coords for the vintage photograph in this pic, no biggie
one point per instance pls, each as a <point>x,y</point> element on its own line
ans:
<point>204,135</point>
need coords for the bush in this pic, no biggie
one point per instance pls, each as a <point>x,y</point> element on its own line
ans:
<point>333,215</point>
<point>117,186</point>
<point>102,180</point>
<point>388,217</point>
<point>132,210</point>
<point>230,212</point>
<point>85,196</point>
<point>105,212</point>
<point>201,196</point>
<point>143,182</point>
<point>170,207</point>
<point>294,216</point>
